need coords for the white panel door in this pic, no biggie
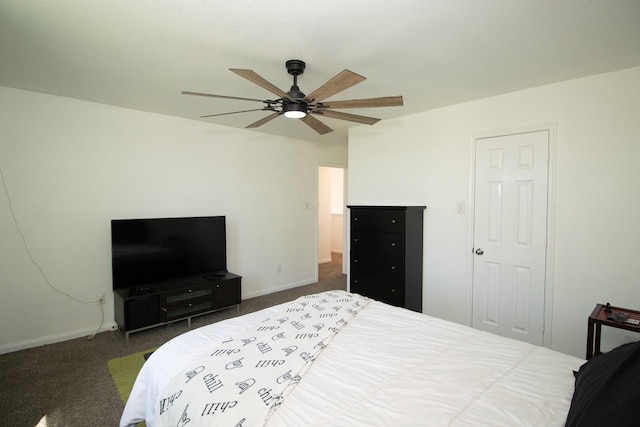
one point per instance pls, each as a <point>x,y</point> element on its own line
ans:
<point>510,235</point>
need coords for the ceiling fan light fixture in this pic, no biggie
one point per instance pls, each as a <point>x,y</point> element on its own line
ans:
<point>296,105</point>
<point>295,110</point>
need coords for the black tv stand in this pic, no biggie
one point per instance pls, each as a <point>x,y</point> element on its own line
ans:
<point>140,290</point>
<point>215,276</point>
<point>145,307</point>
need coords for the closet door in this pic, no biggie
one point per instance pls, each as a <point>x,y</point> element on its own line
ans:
<point>510,235</point>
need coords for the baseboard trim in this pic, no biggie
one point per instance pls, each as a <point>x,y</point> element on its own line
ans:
<point>55,338</point>
<point>247,295</point>
<point>112,326</point>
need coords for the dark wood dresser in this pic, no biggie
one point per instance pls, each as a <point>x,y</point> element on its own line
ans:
<point>386,254</point>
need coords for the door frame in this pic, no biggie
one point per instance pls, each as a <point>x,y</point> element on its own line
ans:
<point>344,167</point>
<point>550,127</point>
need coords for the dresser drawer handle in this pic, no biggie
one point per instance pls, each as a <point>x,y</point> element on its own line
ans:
<point>355,261</point>
<point>189,290</point>
<point>393,267</point>
<point>393,244</point>
<point>393,221</point>
<point>355,240</point>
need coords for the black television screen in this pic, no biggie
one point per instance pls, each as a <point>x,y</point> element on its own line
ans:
<point>148,251</point>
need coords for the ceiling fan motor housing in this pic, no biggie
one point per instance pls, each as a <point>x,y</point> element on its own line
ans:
<point>296,93</point>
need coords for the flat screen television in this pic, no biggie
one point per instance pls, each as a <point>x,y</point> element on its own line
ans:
<point>149,251</point>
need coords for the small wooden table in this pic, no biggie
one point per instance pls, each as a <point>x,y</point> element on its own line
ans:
<point>598,318</point>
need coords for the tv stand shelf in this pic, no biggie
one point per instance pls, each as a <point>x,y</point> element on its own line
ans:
<point>160,304</point>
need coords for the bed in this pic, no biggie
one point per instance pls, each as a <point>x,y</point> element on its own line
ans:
<point>372,364</point>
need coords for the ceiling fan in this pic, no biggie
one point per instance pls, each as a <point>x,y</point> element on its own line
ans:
<point>295,104</point>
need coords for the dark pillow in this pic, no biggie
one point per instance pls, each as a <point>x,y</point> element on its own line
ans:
<point>607,390</point>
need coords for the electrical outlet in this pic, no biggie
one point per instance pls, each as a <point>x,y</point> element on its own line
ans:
<point>100,299</point>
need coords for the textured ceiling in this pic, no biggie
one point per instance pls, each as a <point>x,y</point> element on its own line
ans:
<point>141,54</point>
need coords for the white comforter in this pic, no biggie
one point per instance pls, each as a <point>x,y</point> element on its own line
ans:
<point>392,367</point>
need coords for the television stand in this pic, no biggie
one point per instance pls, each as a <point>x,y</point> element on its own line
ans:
<point>141,290</point>
<point>166,303</point>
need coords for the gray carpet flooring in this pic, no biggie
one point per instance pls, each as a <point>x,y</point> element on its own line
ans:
<point>68,384</point>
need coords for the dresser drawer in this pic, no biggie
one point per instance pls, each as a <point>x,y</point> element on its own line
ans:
<point>388,220</point>
<point>389,267</point>
<point>379,288</point>
<point>382,244</point>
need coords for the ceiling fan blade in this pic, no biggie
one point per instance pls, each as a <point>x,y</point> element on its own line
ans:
<point>385,101</point>
<point>253,77</point>
<point>235,112</point>
<point>343,80</point>
<point>316,124</point>
<point>184,92</point>
<point>346,116</point>
<point>264,120</point>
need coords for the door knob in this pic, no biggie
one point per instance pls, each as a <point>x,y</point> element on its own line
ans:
<point>479,251</point>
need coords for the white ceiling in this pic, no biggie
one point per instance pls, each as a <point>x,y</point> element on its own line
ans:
<point>141,54</point>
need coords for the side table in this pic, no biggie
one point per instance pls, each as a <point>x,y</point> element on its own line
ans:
<point>598,318</point>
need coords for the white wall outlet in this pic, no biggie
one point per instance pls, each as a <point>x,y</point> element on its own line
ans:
<point>278,268</point>
<point>100,299</point>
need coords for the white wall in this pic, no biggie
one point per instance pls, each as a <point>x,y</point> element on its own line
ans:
<point>70,166</point>
<point>425,159</point>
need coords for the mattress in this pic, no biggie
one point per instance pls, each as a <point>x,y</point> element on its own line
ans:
<point>389,367</point>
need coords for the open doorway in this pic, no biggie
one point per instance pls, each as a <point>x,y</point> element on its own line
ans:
<point>331,217</point>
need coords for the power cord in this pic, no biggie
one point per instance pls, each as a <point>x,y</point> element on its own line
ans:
<point>101,322</point>
<point>34,262</point>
